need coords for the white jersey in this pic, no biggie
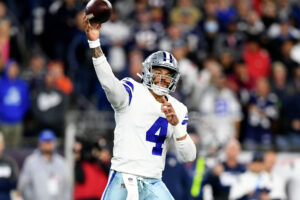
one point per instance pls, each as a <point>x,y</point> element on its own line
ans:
<point>142,134</point>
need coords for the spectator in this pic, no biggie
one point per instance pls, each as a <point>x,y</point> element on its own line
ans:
<point>208,38</point>
<point>14,102</point>
<point>145,35</point>
<point>240,81</point>
<point>269,13</point>
<point>218,106</point>
<point>117,33</point>
<point>279,84</point>
<point>278,179</point>
<point>231,41</point>
<point>65,21</point>
<point>254,25</point>
<point>188,70</point>
<point>61,81</point>
<point>35,74</point>
<point>257,59</point>
<point>9,173</point>
<point>286,59</point>
<point>4,41</point>
<point>44,174</point>
<point>49,107</point>
<point>262,111</point>
<point>186,15</point>
<point>227,173</point>
<point>255,183</point>
<point>293,109</point>
<point>81,66</point>
<point>90,175</point>
<point>225,13</point>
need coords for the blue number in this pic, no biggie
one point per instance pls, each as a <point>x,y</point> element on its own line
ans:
<point>162,124</point>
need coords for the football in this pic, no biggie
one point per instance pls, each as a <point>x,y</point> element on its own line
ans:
<point>98,11</point>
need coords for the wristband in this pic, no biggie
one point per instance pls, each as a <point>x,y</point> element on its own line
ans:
<point>179,130</point>
<point>94,44</point>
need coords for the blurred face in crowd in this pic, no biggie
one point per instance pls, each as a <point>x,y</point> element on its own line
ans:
<point>210,7</point>
<point>49,80</point>
<point>70,2</point>
<point>144,17</point>
<point>135,63</point>
<point>180,52</point>
<point>297,73</point>
<point>13,71</point>
<point>2,9</point>
<point>283,3</point>
<point>211,26</point>
<point>78,20</point>
<point>243,8</point>
<point>269,9</point>
<point>279,73</point>
<point>47,147</point>
<point>262,87</point>
<point>252,17</point>
<point>77,150</point>
<point>2,145</point>
<point>223,4</point>
<point>233,150</point>
<point>269,160</point>
<point>185,3</point>
<point>157,13</point>
<point>219,80</point>
<point>253,46</point>
<point>4,29</point>
<point>226,60</point>
<point>286,48</point>
<point>241,71</point>
<point>37,63</point>
<point>174,32</point>
<point>257,166</point>
<point>56,69</point>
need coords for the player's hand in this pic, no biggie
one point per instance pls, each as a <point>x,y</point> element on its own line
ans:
<point>169,111</point>
<point>92,31</point>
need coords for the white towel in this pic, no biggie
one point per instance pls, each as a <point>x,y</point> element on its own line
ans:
<point>131,185</point>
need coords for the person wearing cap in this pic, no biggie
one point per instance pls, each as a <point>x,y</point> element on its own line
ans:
<point>255,183</point>
<point>44,174</point>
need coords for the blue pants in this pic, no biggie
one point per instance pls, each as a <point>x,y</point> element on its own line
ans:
<point>149,188</point>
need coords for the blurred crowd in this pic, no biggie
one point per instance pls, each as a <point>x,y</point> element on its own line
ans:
<point>240,79</point>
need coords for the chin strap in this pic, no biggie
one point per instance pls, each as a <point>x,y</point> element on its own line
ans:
<point>139,75</point>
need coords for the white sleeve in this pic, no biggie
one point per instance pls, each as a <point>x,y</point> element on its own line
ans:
<point>240,188</point>
<point>114,89</point>
<point>186,148</point>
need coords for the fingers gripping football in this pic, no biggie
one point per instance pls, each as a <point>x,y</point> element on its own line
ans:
<point>92,30</point>
<point>169,111</point>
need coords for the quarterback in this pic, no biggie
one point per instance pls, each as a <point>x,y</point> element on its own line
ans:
<point>147,120</point>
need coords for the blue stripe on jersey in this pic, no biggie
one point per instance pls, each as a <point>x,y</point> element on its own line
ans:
<point>186,116</point>
<point>110,180</point>
<point>165,56</point>
<point>129,92</point>
<point>129,84</point>
<point>184,122</point>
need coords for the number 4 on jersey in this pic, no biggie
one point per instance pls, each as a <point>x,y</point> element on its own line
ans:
<point>162,125</point>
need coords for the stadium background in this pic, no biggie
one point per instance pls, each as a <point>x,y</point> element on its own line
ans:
<point>255,42</point>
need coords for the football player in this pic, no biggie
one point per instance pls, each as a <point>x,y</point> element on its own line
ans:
<point>147,120</point>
